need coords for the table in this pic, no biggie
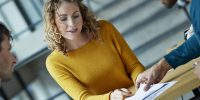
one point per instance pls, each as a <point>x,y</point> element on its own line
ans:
<point>186,81</point>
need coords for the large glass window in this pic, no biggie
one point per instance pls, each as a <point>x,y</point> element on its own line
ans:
<point>21,16</point>
<point>4,21</point>
<point>14,17</point>
<point>2,1</point>
<point>31,9</point>
<point>39,5</point>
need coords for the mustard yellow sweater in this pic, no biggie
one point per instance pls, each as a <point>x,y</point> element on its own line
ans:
<point>99,67</point>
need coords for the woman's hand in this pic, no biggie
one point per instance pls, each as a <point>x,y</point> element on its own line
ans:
<point>120,94</point>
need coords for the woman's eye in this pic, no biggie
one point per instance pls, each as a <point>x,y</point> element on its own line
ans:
<point>76,16</point>
<point>63,19</point>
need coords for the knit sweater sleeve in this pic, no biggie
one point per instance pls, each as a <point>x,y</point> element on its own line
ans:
<point>132,64</point>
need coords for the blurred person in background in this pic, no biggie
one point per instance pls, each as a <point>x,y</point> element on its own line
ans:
<point>7,59</point>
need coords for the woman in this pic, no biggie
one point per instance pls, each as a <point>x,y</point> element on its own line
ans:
<point>90,59</point>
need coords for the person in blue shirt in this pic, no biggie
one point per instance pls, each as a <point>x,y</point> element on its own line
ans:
<point>189,50</point>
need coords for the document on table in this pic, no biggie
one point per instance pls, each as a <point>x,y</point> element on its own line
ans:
<point>152,93</point>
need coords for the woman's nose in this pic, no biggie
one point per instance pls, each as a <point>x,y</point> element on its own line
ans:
<point>71,23</point>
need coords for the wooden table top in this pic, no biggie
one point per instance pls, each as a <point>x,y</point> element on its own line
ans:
<point>186,81</point>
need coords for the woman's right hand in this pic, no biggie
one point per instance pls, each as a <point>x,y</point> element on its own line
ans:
<point>120,94</point>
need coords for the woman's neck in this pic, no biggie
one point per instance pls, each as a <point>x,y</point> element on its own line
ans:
<point>77,43</point>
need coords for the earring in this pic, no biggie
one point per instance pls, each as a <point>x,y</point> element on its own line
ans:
<point>57,37</point>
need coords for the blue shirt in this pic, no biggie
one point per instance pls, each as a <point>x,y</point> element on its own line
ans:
<point>190,49</point>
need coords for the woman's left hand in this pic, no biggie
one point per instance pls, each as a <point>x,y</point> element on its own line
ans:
<point>120,94</point>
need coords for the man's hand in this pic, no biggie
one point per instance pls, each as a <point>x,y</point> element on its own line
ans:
<point>153,75</point>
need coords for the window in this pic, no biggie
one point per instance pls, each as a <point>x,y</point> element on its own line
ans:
<point>21,16</point>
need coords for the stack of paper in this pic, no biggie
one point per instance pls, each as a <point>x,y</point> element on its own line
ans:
<point>152,93</point>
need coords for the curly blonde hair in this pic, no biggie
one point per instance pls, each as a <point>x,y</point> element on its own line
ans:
<point>53,37</point>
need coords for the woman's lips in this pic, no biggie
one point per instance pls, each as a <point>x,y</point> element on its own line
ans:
<point>73,31</point>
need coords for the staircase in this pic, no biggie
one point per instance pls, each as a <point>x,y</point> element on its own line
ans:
<point>148,27</point>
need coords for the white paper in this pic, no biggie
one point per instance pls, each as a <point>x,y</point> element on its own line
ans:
<point>152,93</point>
